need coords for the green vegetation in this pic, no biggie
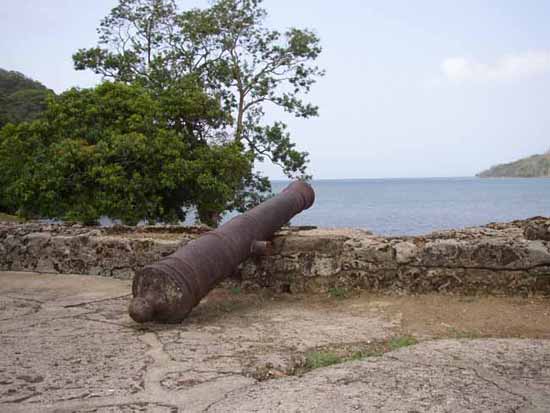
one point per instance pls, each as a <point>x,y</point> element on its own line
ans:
<point>318,359</point>
<point>455,333</point>
<point>403,341</point>
<point>180,127</point>
<point>329,356</point>
<point>531,167</point>
<point>21,98</point>
<point>236,290</point>
<point>338,293</point>
<point>9,218</point>
<point>113,151</point>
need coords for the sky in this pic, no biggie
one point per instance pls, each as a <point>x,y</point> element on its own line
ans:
<point>413,88</point>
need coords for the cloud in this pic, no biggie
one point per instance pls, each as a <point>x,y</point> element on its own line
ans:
<point>508,67</point>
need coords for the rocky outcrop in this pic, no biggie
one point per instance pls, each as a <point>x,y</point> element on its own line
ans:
<point>511,258</point>
<point>538,229</point>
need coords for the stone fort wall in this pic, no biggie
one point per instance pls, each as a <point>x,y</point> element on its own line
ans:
<point>511,258</point>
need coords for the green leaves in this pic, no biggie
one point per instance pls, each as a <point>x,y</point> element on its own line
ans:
<point>114,151</point>
<point>273,142</point>
<point>180,127</point>
<point>230,54</point>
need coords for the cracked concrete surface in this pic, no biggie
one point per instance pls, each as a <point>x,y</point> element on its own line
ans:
<point>68,345</point>
<point>438,376</point>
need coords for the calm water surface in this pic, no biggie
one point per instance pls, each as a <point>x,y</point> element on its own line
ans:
<point>418,206</point>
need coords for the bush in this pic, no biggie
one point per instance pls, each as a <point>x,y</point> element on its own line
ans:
<point>114,151</point>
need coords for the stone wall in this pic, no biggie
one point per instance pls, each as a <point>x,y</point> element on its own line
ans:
<point>512,258</point>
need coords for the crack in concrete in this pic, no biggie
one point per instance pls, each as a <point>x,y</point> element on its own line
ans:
<point>21,399</point>
<point>153,392</point>
<point>225,396</point>
<point>111,323</point>
<point>163,364</point>
<point>483,377</point>
<point>79,405</point>
<point>42,321</point>
<point>18,297</point>
<point>500,387</point>
<point>97,301</point>
<point>463,368</point>
<point>30,312</point>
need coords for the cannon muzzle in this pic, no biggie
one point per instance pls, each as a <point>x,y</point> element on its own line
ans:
<point>168,290</point>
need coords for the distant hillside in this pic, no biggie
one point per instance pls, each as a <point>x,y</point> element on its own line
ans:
<point>21,98</point>
<point>531,167</point>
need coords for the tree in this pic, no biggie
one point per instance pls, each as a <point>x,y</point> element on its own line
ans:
<point>21,98</point>
<point>135,42</point>
<point>234,56</point>
<point>114,151</point>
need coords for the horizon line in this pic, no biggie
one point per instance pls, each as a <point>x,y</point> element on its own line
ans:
<point>372,179</point>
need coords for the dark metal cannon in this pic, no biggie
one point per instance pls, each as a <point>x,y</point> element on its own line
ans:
<point>169,289</point>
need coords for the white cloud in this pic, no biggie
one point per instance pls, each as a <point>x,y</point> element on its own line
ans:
<point>505,68</point>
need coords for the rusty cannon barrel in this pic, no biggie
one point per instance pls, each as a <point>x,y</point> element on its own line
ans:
<point>168,290</point>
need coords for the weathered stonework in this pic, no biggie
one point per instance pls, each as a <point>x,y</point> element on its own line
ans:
<point>511,258</point>
<point>538,229</point>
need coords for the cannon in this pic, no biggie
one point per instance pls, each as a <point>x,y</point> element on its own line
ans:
<point>168,290</point>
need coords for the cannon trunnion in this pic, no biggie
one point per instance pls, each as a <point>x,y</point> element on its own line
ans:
<point>168,290</point>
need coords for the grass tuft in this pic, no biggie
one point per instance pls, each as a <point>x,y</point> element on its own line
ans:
<point>398,342</point>
<point>338,292</point>
<point>334,355</point>
<point>318,359</point>
<point>9,218</point>
<point>236,290</point>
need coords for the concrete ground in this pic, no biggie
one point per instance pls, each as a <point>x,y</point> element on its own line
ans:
<point>68,345</point>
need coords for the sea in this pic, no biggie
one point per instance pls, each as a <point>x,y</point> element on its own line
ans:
<point>416,206</point>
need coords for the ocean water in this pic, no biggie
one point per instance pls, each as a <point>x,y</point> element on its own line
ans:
<point>419,206</point>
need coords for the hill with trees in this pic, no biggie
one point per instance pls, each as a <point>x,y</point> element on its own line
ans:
<point>531,167</point>
<point>21,98</point>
